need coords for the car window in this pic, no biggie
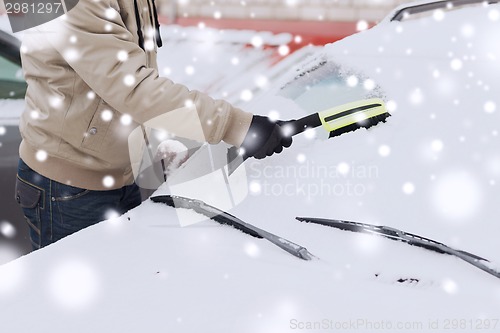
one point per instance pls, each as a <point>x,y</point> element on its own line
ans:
<point>12,83</point>
<point>329,86</point>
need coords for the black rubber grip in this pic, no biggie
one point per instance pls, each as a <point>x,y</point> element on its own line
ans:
<point>300,125</point>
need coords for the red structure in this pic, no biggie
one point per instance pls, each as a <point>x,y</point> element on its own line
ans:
<point>311,32</point>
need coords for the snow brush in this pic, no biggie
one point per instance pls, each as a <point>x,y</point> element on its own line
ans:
<point>336,121</point>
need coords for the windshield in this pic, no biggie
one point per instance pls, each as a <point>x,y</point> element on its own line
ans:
<point>329,84</point>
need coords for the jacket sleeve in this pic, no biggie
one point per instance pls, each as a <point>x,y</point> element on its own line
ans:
<point>89,39</point>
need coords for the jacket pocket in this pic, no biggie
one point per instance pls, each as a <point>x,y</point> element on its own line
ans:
<point>98,127</point>
<point>30,198</point>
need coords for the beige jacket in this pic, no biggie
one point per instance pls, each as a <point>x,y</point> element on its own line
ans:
<point>85,71</point>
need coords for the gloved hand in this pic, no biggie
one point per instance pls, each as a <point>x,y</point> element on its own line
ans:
<point>264,138</point>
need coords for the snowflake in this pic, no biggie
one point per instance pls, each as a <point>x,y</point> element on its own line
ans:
<point>257,41</point>
<point>7,229</point>
<point>189,70</point>
<point>361,25</point>
<point>283,50</point>
<point>456,64</point>
<point>108,181</point>
<point>408,188</point>
<point>437,145</point>
<point>106,115</point>
<point>468,31</point>
<point>343,168</point>
<point>292,3</point>
<point>438,15</point>
<point>235,61</point>
<point>246,95</point>
<point>110,13</point>
<point>111,214</point>
<point>55,101</point>
<point>416,96</point>
<point>352,81</point>
<point>261,81</point>
<point>301,158</point>
<point>273,115</point>
<point>149,45</point>
<point>369,84</point>
<point>391,106</point>
<point>126,119</point>
<point>494,15</point>
<point>255,187</point>
<point>41,155</point>
<point>449,286</point>
<point>129,80</point>
<point>167,71</point>
<point>252,250</point>
<point>490,107</point>
<point>122,55</point>
<point>384,150</point>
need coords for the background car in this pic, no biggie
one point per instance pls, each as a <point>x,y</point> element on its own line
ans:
<point>13,230</point>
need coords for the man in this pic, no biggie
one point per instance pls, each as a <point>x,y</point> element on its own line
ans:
<point>92,78</point>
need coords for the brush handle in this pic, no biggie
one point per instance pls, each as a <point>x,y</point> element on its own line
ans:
<point>297,126</point>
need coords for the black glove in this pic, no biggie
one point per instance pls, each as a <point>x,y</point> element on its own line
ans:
<point>264,138</point>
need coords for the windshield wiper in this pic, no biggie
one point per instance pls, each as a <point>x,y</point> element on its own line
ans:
<point>223,217</point>
<point>405,237</point>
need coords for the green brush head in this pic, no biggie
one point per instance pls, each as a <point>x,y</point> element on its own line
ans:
<point>366,123</point>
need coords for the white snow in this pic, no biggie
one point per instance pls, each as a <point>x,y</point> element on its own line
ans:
<point>144,272</point>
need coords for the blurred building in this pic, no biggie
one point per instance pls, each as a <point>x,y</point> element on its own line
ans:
<point>314,21</point>
<point>304,10</point>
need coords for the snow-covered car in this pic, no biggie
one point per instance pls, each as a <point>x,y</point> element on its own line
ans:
<point>431,170</point>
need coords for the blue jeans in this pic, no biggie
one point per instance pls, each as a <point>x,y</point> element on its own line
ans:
<point>54,210</point>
